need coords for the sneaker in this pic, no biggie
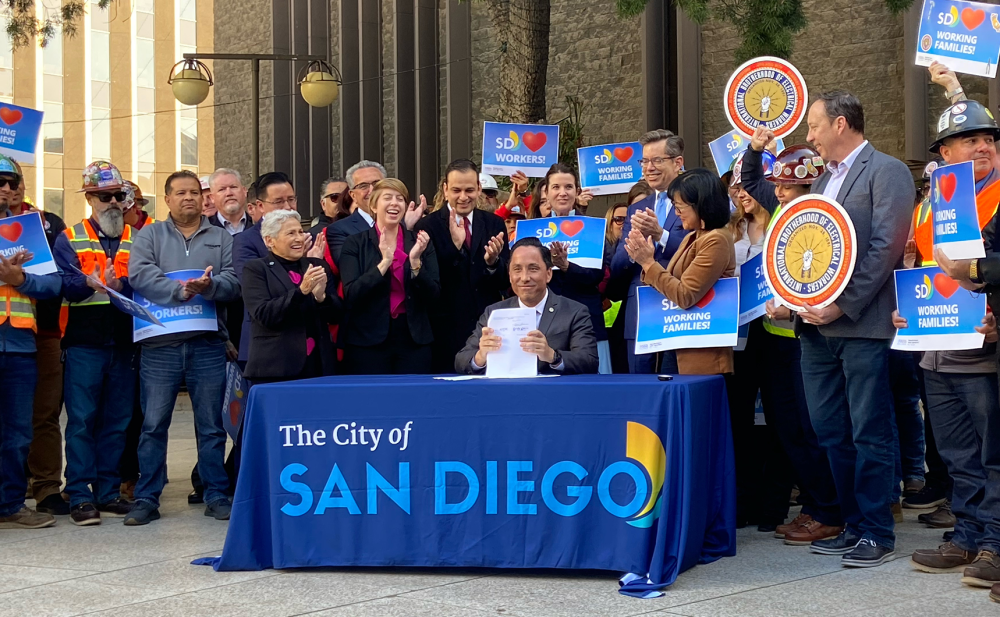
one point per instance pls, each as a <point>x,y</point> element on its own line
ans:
<point>943,559</point>
<point>219,509</point>
<point>841,545</point>
<point>912,486</point>
<point>867,554</point>
<point>142,513</point>
<point>897,512</point>
<point>196,497</point>
<point>810,532</point>
<point>127,490</point>
<point>984,571</point>
<point>942,518</point>
<point>116,508</point>
<point>801,519</point>
<point>928,497</point>
<point>26,518</point>
<point>85,514</point>
<point>54,505</point>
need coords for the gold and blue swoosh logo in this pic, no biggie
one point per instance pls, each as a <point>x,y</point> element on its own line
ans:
<point>644,446</point>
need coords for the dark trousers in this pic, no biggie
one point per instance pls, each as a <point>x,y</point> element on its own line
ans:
<point>45,460</point>
<point>18,377</point>
<point>937,471</point>
<point>965,415</point>
<point>909,421</point>
<point>851,409</point>
<point>664,362</point>
<point>398,354</point>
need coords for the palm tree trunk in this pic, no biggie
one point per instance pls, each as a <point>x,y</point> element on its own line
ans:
<point>524,59</point>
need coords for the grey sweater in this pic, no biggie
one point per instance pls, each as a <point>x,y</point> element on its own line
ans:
<point>160,248</point>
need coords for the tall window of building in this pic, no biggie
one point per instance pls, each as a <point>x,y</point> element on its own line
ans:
<point>6,69</point>
<point>53,201</point>
<point>100,83</point>
<point>52,95</point>
<point>187,35</point>
<point>145,97</point>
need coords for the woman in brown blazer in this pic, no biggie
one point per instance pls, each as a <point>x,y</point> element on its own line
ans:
<point>705,256</point>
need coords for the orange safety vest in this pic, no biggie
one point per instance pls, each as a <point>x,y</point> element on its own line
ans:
<point>986,206</point>
<point>18,308</point>
<point>83,238</point>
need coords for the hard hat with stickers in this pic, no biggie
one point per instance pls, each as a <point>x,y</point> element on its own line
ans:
<point>798,164</point>
<point>101,176</point>
<point>964,117</point>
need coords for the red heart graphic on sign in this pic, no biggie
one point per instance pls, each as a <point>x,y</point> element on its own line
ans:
<point>571,228</point>
<point>623,154</point>
<point>944,285</point>
<point>234,412</point>
<point>10,116</point>
<point>948,184</point>
<point>973,17</point>
<point>10,232</point>
<point>706,300</point>
<point>534,141</point>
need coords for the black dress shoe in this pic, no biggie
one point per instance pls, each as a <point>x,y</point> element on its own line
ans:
<point>54,505</point>
<point>767,527</point>
<point>867,554</point>
<point>196,497</point>
<point>841,545</point>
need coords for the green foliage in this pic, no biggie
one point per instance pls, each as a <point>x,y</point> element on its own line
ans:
<point>23,23</point>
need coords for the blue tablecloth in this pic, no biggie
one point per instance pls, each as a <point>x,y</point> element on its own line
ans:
<point>616,472</point>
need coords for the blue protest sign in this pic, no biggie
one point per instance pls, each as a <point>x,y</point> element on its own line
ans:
<point>953,207</point>
<point>754,291</point>
<point>940,315</point>
<point>964,36</point>
<point>237,391</point>
<point>609,169</point>
<point>19,129</point>
<point>530,148</point>
<point>584,236</point>
<point>25,233</point>
<point>195,315</point>
<point>711,322</point>
<point>726,148</point>
<point>122,303</point>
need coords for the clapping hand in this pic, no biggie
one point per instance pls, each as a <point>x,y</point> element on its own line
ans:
<point>387,246</point>
<point>519,181</point>
<point>193,287</point>
<point>423,239</point>
<point>534,342</point>
<point>318,249</point>
<point>488,342</point>
<point>647,223</point>
<point>22,257</point>
<point>560,255</point>
<point>640,248</point>
<point>414,213</point>
<point>11,271</point>
<point>493,249</point>
<point>457,231</point>
<point>112,281</point>
<point>315,276</point>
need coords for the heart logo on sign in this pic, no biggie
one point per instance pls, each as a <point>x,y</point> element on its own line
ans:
<point>623,154</point>
<point>944,285</point>
<point>706,299</point>
<point>571,228</point>
<point>948,184</point>
<point>534,141</point>
<point>973,17</point>
<point>11,232</point>
<point>234,412</point>
<point>10,116</point>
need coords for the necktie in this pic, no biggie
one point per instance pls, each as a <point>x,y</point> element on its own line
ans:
<point>468,232</point>
<point>661,208</point>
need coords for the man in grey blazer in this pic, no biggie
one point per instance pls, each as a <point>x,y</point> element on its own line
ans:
<point>845,346</point>
<point>564,339</point>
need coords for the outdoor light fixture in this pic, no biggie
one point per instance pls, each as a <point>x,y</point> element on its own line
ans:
<point>191,83</point>
<point>321,84</point>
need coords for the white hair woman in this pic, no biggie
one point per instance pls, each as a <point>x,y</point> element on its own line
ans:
<point>292,301</point>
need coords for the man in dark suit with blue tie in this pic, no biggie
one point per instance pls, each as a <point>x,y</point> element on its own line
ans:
<point>662,160</point>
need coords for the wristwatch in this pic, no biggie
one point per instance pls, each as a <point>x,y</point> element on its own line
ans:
<point>953,93</point>
<point>974,271</point>
<point>556,359</point>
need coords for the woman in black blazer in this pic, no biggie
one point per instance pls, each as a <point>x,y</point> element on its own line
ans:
<point>390,278</point>
<point>292,301</point>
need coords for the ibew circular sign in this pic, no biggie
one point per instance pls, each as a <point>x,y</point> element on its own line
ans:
<point>766,91</point>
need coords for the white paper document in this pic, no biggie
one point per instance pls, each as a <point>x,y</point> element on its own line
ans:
<point>511,325</point>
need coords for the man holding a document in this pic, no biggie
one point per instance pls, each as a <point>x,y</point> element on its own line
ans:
<point>537,330</point>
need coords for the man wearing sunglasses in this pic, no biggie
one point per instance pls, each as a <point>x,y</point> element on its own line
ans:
<point>99,364</point>
<point>330,191</point>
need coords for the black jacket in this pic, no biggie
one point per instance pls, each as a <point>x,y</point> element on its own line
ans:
<point>580,284</point>
<point>47,311</point>
<point>467,285</point>
<point>366,291</point>
<point>339,231</point>
<point>279,314</point>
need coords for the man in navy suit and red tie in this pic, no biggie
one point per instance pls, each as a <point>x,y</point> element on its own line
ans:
<point>662,160</point>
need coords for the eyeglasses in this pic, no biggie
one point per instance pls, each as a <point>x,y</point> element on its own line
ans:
<point>11,183</point>
<point>334,197</point>
<point>489,192</point>
<point>107,197</point>
<point>679,209</point>
<point>618,220</point>
<point>364,186</point>
<point>281,202</point>
<point>656,160</point>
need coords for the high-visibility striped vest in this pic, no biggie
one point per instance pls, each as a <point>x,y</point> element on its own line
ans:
<point>777,327</point>
<point>18,308</point>
<point>83,238</point>
<point>986,206</point>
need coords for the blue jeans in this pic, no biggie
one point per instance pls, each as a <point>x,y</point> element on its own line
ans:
<point>965,417</point>
<point>199,363</point>
<point>100,388</point>
<point>851,409</point>
<point>18,378</point>
<point>905,383</point>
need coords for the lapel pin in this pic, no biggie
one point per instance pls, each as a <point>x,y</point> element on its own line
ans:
<point>552,310</point>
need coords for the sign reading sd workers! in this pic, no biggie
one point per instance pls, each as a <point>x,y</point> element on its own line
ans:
<point>583,235</point>
<point>530,148</point>
<point>195,315</point>
<point>940,315</point>
<point>964,36</point>
<point>711,322</point>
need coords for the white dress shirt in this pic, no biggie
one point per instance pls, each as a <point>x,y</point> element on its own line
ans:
<point>468,216</point>
<point>367,217</point>
<point>838,172</point>
<point>539,309</point>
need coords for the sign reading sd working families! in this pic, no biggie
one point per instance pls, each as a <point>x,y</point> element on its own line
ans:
<point>964,36</point>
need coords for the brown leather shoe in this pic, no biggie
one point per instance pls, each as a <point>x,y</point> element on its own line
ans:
<point>782,530</point>
<point>26,518</point>
<point>945,558</point>
<point>807,533</point>
<point>995,593</point>
<point>984,571</point>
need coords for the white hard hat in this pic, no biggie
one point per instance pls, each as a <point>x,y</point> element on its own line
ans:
<point>488,183</point>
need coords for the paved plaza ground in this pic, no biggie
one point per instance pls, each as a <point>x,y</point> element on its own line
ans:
<point>144,571</point>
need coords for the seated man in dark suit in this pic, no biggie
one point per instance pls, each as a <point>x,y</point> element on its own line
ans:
<point>564,339</point>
